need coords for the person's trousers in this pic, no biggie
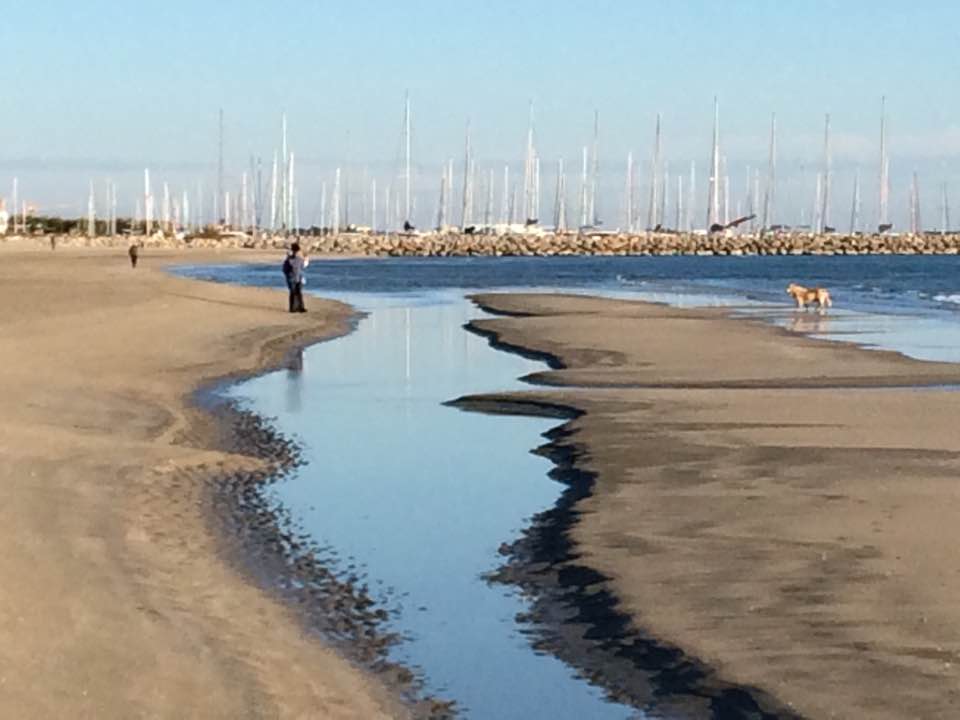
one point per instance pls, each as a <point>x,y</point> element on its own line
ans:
<point>296,297</point>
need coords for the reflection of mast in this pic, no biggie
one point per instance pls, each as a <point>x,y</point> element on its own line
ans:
<point>406,326</point>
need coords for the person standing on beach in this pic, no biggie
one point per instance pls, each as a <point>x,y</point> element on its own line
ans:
<point>134,252</point>
<point>293,268</point>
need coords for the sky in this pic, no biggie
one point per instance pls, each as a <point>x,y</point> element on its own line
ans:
<point>100,89</point>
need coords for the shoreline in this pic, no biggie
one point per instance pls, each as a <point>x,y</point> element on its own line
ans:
<point>258,538</point>
<point>109,476</point>
<point>573,613</point>
<point>605,538</point>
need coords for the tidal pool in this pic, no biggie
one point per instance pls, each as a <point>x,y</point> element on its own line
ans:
<point>417,497</point>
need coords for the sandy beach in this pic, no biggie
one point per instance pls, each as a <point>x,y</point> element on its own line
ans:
<point>115,600</point>
<point>760,501</point>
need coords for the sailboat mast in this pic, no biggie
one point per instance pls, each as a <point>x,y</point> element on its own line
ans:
<point>466,209</point>
<point>725,179</point>
<point>91,213</point>
<point>219,197</point>
<point>244,207</point>
<point>855,205</point>
<point>528,180</point>
<point>817,203</point>
<point>335,207</point>
<point>291,195</point>
<point>664,194</point>
<point>447,213</point>
<point>488,212</point>
<point>628,195</point>
<point>713,198</point>
<point>442,205</point>
<point>653,219</point>
<point>406,157</point>
<point>273,194</point>
<point>945,209</point>
<point>916,224</point>
<point>827,171</point>
<point>691,195</point>
<point>584,192</point>
<point>147,203</point>
<point>284,157</point>
<point>884,191</point>
<point>769,196</point>
<point>678,224</point>
<point>595,173</point>
<point>505,199</point>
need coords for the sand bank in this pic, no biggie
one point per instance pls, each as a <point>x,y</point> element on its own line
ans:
<point>792,533</point>
<point>115,601</point>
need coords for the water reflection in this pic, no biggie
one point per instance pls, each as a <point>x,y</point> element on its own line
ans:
<point>810,322</point>
<point>295,380</point>
<point>420,496</point>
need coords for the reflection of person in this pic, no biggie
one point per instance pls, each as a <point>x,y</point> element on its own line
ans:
<point>294,388</point>
<point>293,268</point>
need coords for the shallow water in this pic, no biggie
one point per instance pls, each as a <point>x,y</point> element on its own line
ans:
<point>417,496</point>
<point>910,304</point>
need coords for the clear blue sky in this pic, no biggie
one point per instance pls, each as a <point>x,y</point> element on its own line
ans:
<point>101,89</point>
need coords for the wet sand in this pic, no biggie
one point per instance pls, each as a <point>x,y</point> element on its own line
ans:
<point>792,533</point>
<point>116,600</point>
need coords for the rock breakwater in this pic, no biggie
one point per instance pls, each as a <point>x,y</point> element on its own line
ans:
<point>539,244</point>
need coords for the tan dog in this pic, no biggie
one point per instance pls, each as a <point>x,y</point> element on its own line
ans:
<point>808,296</point>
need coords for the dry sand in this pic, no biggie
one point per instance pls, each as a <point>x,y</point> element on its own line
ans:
<point>798,540</point>
<point>114,602</point>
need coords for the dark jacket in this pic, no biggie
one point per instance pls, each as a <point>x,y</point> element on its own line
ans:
<point>295,266</point>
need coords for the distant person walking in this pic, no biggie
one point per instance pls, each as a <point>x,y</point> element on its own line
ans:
<point>134,252</point>
<point>293,267</point>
